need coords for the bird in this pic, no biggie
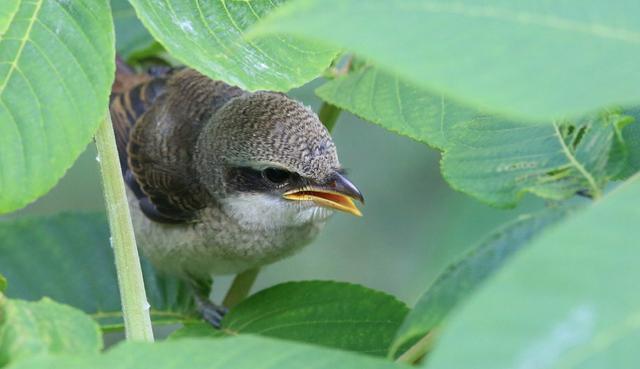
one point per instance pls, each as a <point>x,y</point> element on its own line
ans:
<point>221,180</point>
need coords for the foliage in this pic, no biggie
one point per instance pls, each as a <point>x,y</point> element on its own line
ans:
<point>33,328</point>
<point>493,159</point>
<point>210,39</point>
<point>56,67</point>
<point>519,97</point>
<point>462,278</point>
<point>498,162</point>
<point>396,105</point>
<point>631,140</point>
<point>132,39</point>
<point>525,59</point>
<point>549,306</point>
<point>239,353</point>
<point>331,314</point>
<point>76,244</point>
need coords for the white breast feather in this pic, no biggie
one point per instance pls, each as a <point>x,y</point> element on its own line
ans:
<point>262,211</point>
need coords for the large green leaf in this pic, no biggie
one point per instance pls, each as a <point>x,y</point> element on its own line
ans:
<point>56,68</point>
<point>67,257</point>
<point>131,36</point>
<point>527,59</point>
<point>30,328</point>
<point>462,278</point>
<point>237,353</point>
<point>396,105</point>
<point>331,314</point>
<point>208,36</point>
<point>491,159</point>
<point>499,161</point>
<point>566,301</point>
<point>3,283</point>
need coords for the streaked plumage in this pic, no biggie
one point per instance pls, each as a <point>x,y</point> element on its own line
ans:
<point>204,163</point>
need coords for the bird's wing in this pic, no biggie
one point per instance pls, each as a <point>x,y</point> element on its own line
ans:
<point>156,142</point>
<point>131,95</point>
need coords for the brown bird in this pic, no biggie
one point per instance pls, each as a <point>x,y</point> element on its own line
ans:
<point>221,180</point>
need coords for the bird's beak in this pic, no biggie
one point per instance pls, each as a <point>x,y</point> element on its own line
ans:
<point>338,193</point>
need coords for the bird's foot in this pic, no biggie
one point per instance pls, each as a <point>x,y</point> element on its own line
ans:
<point>211,312</point>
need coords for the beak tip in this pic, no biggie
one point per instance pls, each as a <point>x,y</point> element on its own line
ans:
<point>343,185</point>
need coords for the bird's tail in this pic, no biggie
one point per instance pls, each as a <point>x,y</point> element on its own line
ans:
<point>126,78</point>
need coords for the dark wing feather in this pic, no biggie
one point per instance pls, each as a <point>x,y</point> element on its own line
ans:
<point>129,105</point>
<point>157,123</point>
<point>161,164</point>
<point>158,194</point>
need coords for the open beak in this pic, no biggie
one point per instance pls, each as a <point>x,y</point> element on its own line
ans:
<point>338,194</point>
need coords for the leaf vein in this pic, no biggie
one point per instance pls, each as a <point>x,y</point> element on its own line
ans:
<point>23,42</point>
<point>574,161</point>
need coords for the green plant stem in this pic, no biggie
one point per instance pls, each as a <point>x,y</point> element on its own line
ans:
<point>328,115</point>
<point>419,349</point>
<point>3,283</point>
<point>240,287</point>
<point>135,307</point>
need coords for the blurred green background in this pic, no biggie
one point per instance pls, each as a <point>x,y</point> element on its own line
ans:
<point>413,226</point>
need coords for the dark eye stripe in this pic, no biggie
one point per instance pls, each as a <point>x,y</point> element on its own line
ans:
<point>247,179</point>
<point>276,175</point>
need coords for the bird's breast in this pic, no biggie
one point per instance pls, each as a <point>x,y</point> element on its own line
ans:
<point>218,243</point>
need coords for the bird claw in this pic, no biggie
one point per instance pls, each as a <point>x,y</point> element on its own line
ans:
<point>208,310</point>
<point>211,312</point>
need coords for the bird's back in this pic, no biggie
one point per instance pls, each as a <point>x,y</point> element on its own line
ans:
<point>157,120</point>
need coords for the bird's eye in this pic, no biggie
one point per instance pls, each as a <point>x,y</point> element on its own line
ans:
<point>275,175</point>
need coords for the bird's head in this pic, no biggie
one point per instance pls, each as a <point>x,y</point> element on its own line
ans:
<point>270,162</point>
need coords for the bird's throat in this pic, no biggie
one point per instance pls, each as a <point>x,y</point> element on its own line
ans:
<point>264,211</point>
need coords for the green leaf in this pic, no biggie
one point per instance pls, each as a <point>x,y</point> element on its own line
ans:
<point>525,59</point>
<point>67,257</point>
<point>463,277</point>
<point>332,314</point>
<point>498,161</point>
<point>131,36</point>
<point>491,159</point>
<point>30,328</point>
<point>3,283</point>
<point>8,9</point>
<point>396,105</point>
<point>209,37</point>
<point>56,68</point>
<point>237,353</point>
<point>631,138</point>
<point>199,329</point>
<point>566,301</point>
